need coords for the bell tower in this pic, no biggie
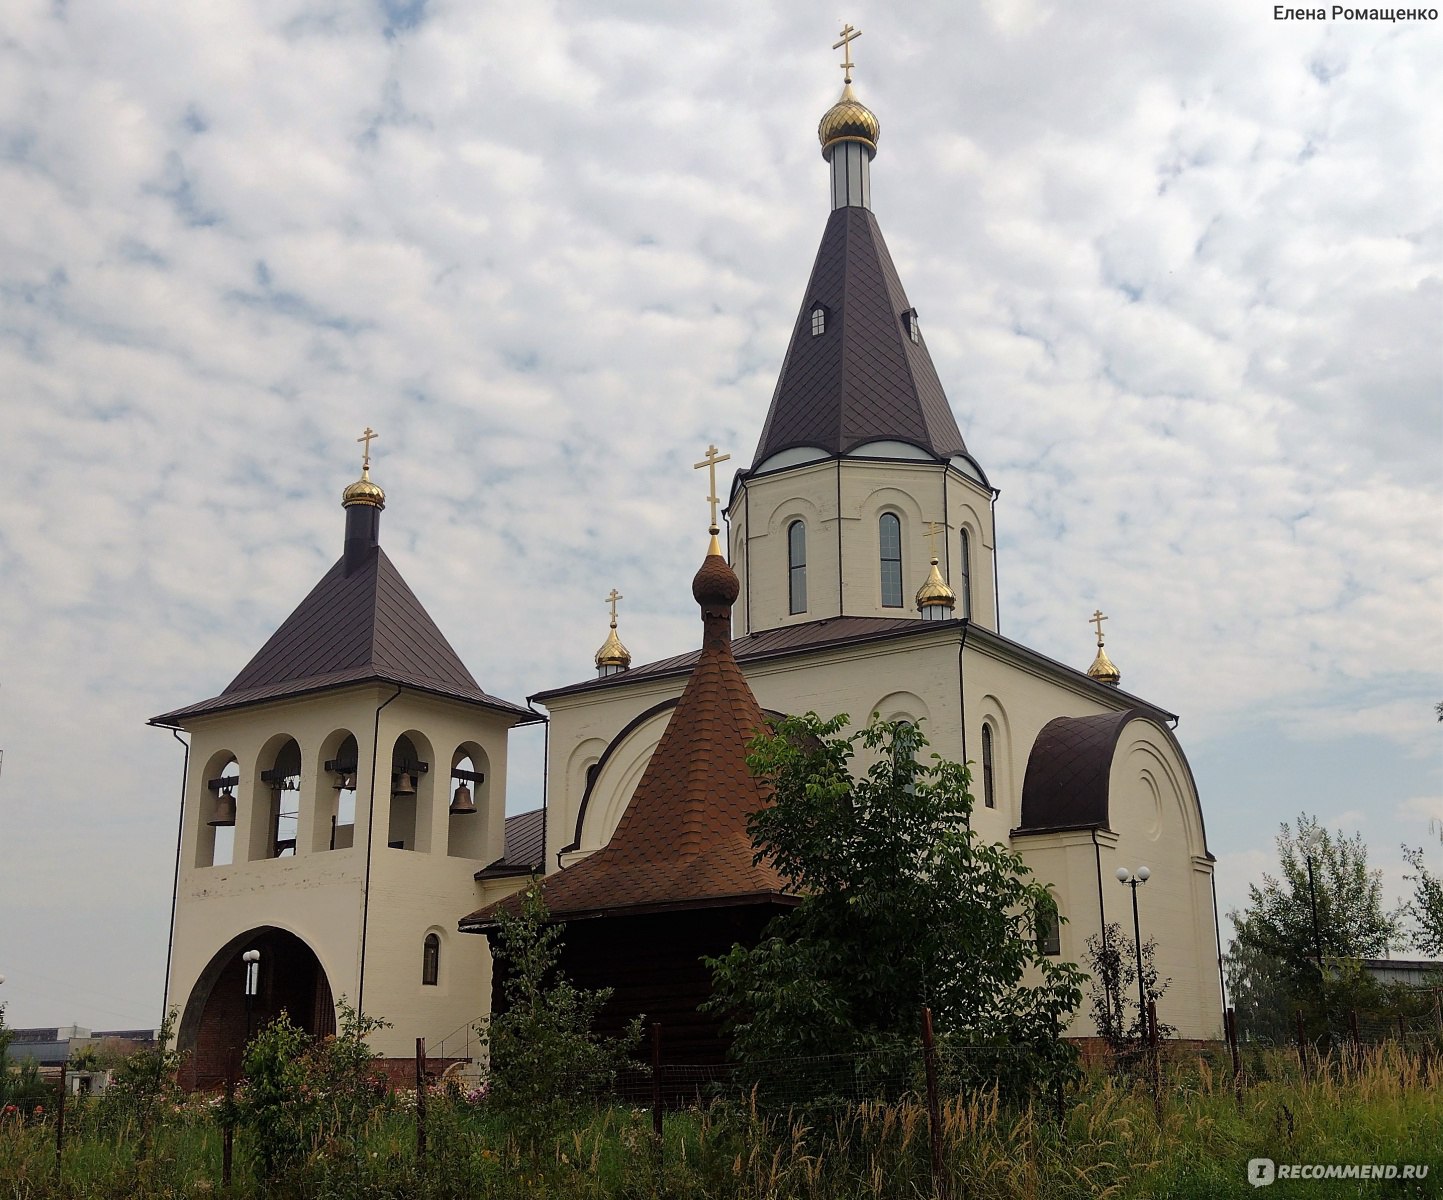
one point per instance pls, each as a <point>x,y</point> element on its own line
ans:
<point>860,453</point>
<point>340,796</point>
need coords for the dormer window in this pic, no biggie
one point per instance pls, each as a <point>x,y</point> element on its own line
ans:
<point>819,320</point>
<point>909,322</point>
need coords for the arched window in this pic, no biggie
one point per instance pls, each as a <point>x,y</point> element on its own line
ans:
<point>819,321</point>
<point>797,566</point>
<point>431,959</point>
<point>889,533</point>
<point>989,775</point>
<point>964,571</point>
<point>1049,933</point>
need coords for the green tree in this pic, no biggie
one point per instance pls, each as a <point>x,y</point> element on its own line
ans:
<point>547,1061</point>
<point>1111,962</point>
<point>902,905</point>
<point>1310,929</point>
<point>1424,911</point>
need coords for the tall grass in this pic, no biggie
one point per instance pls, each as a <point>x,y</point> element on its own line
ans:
<point>1383,1106</point>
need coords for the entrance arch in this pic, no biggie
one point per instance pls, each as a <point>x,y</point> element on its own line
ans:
<point>214,1021</point>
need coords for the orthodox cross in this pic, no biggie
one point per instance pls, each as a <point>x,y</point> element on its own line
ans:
<point>613,598</point>
<point>1098,619</point>
<point>849,35</point>
<point>368,437</point>
<point>932,527</point>
<point>710,462</point>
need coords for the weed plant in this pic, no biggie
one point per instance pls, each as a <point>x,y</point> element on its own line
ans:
<point>1384,1105</point>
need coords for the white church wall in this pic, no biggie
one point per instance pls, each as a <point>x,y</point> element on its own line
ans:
<point>317,894</point>
<point>918,492</point>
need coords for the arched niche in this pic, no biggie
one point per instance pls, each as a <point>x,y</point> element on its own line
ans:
<point>333,809</point>
<point>412,789</point>
<point>467,834</point>
<point>216,801</point>
<point>217,1021</point>
<point>275,799</point>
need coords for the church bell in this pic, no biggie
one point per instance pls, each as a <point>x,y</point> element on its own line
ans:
<point>405,786</point>
<point>461,803</point>
<point>224,810</point>
<point>346,783</point>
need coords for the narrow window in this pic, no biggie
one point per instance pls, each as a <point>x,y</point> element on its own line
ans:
<point>1049,933</point>
<point>797,566</point>
<point>989,777</point>
<point>819,321</point>
<point>964,592</point>
<point>914,331</point>
<point>889,531</point>
<point>431,960</point>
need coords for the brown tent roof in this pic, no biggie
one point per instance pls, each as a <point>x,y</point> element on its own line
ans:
<point>354,627</point>
<point>682,842</point>
<point>863,379</point>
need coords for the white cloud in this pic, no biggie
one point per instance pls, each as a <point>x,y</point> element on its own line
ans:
<point>1178,267</point>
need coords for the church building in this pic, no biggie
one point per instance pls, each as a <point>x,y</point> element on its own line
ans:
<point>358,769</point>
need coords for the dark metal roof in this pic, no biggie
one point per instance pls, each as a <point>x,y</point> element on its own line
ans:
<point>863,379</point>
<point>1066,786</point>
<point>353,628</point>
<point>769,643</point>
<point>525,848</point>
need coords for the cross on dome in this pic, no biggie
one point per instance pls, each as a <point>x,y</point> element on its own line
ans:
<point>709,461</point>
<point>849,35</point>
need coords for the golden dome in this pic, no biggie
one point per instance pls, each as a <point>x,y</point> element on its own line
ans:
<point>612,652</point>
<point>935,593</point>
<point>849,120</point>
<point>1103,670</point>
<point>363,491</point>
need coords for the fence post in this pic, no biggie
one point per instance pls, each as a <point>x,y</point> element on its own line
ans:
<point>227,1133</point>
<point>1154,1054</point>
<point>1302,1043</point>
<point>656,1116</point>
<point>60,1121</point>
<point>1354,1036</point>
<point>420,1100</point>
<point>934,1110</point>
<point>1402,1031</point>
<point>1230,1027</point>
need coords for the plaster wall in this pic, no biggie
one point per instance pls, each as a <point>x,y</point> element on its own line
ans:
<point>860,490</point>
<point>320,894</point>
<point>1155,817</point>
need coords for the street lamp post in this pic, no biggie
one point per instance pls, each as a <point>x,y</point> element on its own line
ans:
<point>1134,879</point>
<point>252,960</point>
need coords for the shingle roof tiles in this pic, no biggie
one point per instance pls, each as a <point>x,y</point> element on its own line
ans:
<point>683,838</point>
<point>863,379</point>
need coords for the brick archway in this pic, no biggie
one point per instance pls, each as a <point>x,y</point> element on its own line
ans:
<point>213,1024</point>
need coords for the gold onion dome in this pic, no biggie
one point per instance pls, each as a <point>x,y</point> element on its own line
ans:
<point>363,491</point>
<point>1103,670</point>
<point>612,652</point>
<point>935,593</point>
<point>849,120</point>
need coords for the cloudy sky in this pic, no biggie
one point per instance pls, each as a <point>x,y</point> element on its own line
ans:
<point>1178,264</point>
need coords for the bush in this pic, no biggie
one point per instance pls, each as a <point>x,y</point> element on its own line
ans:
<point>301,1093</point>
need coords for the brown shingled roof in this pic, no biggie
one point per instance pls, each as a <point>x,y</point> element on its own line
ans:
<point>863,379</point>
<point>682,841</point>
<point>352,628</point>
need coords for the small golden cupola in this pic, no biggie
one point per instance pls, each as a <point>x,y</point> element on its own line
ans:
<point>363,502</point>
<point>364,491</point>
<point>848,132</point>
<point>613,658</point>
<point>935,600</point>
<point>1102,668</point>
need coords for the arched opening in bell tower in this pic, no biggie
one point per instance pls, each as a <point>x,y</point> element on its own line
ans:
<point>219,1018</point>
